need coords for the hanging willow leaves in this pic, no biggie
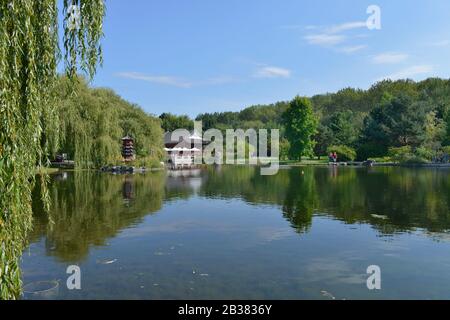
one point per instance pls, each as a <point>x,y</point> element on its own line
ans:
<point>93,122</point>
<point>29,56</point>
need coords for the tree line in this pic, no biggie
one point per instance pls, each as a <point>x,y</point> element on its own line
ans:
<point>399,120</point>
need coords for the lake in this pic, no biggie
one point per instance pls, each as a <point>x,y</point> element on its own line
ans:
<point>230,233</point>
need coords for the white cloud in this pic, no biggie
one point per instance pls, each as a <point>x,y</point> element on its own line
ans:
<point>410,72</point>
<point>272,72</point>
<point>175,81</point>
<point>325,39</point>
<point>389,58</point>
<point>347,26</point>
<point>164,80</point>
<point>333,35</point>
<point>352,49</point>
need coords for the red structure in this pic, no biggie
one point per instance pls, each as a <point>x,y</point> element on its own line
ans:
<point>127,149</point>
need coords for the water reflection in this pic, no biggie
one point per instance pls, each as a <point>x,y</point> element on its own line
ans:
<point>409,198</point>
<point>295,235</point>
<point>90,208</point>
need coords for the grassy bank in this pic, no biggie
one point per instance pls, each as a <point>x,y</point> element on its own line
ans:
<point>306,162</point>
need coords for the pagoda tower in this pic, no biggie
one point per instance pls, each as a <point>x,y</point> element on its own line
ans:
<point>128,149</point>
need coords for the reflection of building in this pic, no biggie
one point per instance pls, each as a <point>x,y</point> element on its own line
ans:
<point>181,152</point>
<point>127,149</point>
<point>127,190</point>
<point>184,183</point>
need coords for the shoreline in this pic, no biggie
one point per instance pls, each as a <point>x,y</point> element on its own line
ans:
<point>381,164</point>
<point>50,171</point>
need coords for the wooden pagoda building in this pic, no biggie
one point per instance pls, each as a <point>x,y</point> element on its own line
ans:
<point>128,149</point>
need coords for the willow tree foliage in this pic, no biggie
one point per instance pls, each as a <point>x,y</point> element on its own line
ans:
<point>93,122</point>
<point>29,56</point>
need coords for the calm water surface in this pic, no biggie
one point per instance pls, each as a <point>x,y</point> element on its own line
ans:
<point>229,233</point>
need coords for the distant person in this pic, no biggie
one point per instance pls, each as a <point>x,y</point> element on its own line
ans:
<point>331,157</point>
<point>335,157</point>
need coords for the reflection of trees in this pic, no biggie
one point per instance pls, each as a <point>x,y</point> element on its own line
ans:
<point>410,198</point>
<point>88,208</point>
<point>341,194</point>
<point>301,199</point>
<point>291,190</point>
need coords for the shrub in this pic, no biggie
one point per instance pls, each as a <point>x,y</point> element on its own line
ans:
<point>413,159</point>
<point>407,156</point>
<point>424,153</point>
<point>284,149</point>
<point>148,162</point>
<point>400,154</point>
<point>381,159</point>
<point>370,150</point>
<point>344,153</point>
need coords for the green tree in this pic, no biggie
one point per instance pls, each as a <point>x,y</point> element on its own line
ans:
<point>447,120</point>
<point>344,127</point>
<point>171,122</point>
<point>397,122</point>
<point>433,134</point>
<point>29,56</point>
<point>93,121</point>
<point>301,126</point>
<point>324,138</point>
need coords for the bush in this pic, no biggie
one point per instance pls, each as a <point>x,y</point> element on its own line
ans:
<point>407,156</point>
<point>400,154</point>
<point>344,153</point>
<point>147,162</point>
<point>381,159</point>
<point>370,150</point>
<point>424,153</point>
<point>413,159</point>
<point>284,149</point>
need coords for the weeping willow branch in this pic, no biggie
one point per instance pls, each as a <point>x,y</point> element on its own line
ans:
<point>29,56</point>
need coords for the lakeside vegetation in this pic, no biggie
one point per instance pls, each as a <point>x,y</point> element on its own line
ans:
<point>399,120</point>
<point>393,121</point>
<point>93,121</point>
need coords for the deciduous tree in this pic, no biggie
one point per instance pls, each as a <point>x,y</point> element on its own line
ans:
<point>301,126</point>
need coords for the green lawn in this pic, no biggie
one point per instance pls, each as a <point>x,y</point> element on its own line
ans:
<point>306,161</point>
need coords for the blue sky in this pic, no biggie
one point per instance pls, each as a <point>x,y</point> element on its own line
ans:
<point>193,56</point>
